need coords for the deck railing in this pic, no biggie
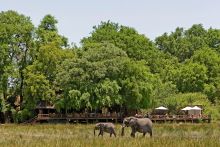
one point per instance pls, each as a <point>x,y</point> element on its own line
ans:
<point>118,115</point>
<point>178,117</point>
<point>80,115</point>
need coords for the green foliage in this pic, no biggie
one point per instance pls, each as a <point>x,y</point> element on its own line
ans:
<point>191,77</point>
<point>116,66</point>
<point>15,45</point>
<point>162,64</point>
<point>211,60</point>
<point>126,38</point>
<point>2,105</point>
<point>105,76</point>
<point>178,101</point>
<point>214,111</point>
<point>22,115</point>
<point>182,43</point>
<point>213,39</point>
<point>47,32</point>
<point>37,87</point>
<point>40,76</point>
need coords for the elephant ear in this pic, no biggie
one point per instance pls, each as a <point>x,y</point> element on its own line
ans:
<point>101,126</point>
<point>133,121</point>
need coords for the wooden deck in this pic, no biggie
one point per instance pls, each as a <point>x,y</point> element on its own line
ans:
<point>92,117</point>
<point>80,117</point>
<point>180,118</point>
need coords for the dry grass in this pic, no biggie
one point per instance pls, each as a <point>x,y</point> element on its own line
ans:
<point>177,135</point>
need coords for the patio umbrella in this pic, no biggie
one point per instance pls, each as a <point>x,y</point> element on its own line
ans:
<point>161,108</point>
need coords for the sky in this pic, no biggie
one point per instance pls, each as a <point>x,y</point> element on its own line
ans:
<point>149,17</point>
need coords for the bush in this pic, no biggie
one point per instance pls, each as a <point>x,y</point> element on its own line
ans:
<point>22,115</point>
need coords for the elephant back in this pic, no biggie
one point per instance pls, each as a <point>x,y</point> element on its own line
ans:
<point>145,121</point>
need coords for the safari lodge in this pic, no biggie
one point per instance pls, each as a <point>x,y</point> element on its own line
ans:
<point>47,113</point>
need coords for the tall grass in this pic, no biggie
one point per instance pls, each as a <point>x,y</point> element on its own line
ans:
<point>78,135</point>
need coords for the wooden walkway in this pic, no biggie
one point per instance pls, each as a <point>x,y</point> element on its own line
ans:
<point>91,118</point>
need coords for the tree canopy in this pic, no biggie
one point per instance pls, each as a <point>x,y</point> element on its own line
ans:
<point>105,76</point>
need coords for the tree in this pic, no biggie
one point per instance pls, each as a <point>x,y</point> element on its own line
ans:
<point>15,45</point>
<point>213,39</point>
<point>178,101</point>
<point>104,76</point>
<point>126,38</point>
<point>191,77</point>
<point>37,88</point>
<point>47,32</point>
<point>211,60</point>
<point>182,43</point>
<point>162,64</point>
<point>48,54</point>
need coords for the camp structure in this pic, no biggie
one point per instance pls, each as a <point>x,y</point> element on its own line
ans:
<point>186,108</point>
<point>193,110</point>
<point>160,110</point>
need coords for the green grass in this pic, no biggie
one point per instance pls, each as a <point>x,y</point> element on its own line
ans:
<point>166,135</point>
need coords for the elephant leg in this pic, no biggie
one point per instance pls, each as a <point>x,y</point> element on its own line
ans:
<point>133,132</point>
<point>150,132</point>
<point>102,134</point>
<point>99,133</point>
<point>114,133</point>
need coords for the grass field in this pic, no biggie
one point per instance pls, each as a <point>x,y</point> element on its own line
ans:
<point>176,135</point>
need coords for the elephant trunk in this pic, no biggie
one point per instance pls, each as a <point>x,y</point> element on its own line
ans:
<point>123,131</point>
<point>94,131</point>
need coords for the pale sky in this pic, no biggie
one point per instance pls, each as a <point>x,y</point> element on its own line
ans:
<point>150,17</point>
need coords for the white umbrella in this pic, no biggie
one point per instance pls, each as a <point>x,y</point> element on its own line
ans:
<point>186,108</point>
<point>161,108</point>
<point>196,108</point>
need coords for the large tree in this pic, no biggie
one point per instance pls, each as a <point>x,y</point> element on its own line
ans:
<point>104,76</point>
<point>210,58</point>
<point>182,43</point>
<point>49,52</point>
<point>16,42</point>
<point>191,77</point>
<point>126,38</point>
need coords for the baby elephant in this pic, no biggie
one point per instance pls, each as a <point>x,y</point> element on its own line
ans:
<point>105,127</point>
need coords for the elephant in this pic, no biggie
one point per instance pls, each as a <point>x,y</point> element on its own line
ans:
<point>105,127</point>
<point>142,125</point>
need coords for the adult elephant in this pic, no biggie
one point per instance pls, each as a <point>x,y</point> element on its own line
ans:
<point>142,125</point>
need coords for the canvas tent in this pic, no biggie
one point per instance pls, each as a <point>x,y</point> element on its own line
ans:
<point>196,108</point>
<point>187,108</point>
<point>193,110</point>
